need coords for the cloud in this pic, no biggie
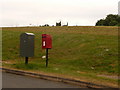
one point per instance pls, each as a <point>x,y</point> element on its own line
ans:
<point>82,12</point>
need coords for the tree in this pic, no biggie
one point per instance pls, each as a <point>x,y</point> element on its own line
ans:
<point>110,20</point>
<point>46,25</point>
<point>100,22</point>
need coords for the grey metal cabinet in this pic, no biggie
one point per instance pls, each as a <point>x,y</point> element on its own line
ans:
<point>27,44</point>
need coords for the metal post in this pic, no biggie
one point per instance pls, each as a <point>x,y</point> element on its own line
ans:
<point>26,60</point>
<point>46,57</point>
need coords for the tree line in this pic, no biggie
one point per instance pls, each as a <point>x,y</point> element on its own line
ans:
<point>110,20</point>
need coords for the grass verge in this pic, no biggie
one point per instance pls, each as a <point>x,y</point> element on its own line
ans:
<point>80,52</point>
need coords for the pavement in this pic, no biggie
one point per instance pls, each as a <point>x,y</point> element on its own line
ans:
<point>12,80</point>
<point>17,81</point>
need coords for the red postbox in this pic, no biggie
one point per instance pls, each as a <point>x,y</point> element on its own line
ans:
<point>46,41</point>
<point>46,44</point>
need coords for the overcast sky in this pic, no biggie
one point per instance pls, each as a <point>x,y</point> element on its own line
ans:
<point>40,12</point>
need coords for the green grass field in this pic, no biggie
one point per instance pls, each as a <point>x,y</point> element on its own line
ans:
<point>77,51</point>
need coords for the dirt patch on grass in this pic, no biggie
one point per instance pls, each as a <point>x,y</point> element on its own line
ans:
<point>110,76</point>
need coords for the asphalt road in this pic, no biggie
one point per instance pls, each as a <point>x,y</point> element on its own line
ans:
<point>18,81</point>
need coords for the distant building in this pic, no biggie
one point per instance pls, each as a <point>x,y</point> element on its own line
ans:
<point>58,24</point>
<point>66,24</point>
